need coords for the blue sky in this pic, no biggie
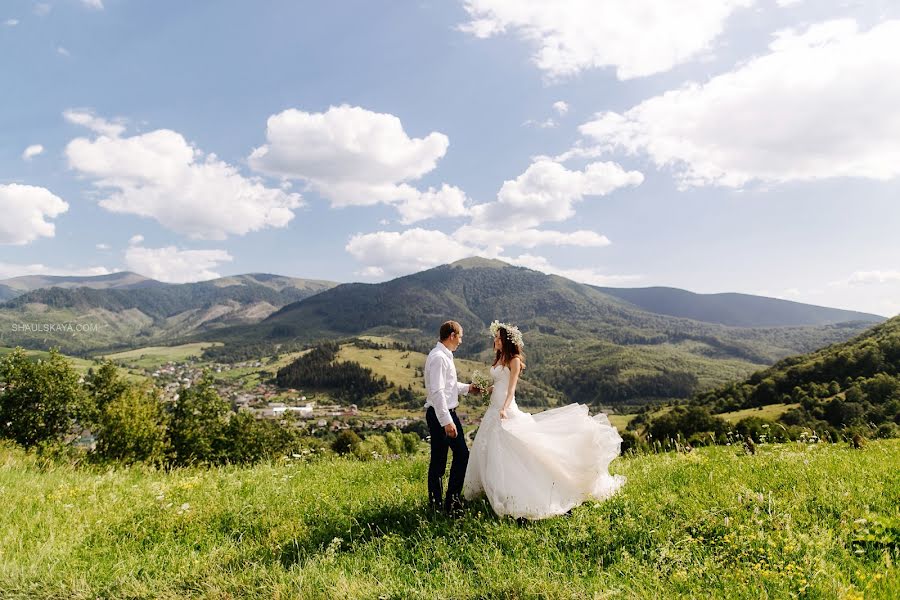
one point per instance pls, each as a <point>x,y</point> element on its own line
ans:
<point>721,145</point>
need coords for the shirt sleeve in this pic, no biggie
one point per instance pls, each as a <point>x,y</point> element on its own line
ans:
<point>437,391</point>
<point>462,388</point>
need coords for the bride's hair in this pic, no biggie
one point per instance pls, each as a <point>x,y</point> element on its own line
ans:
<point>508,350</point>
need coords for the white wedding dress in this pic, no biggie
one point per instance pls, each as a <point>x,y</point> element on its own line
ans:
<point>541,465</point>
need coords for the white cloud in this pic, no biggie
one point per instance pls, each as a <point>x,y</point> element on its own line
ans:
<point>874,277</point>
<point>96,124</point>
<point>547,191</point>
<point>398,253</point>
<point>392,254</point>
<point>102,246</point>
<point>823,103</point>
<point>62,51</point>
<point>500,237</point>
<point>95,4</point>
<point>32,151</point>
<point>638,38</point>
<point>43,9</point>
<point>355,157</point>
<point>8,270</point>
<point>787,2</point>
<point>161,176</point>
<point>24,209</point>
<point>561,107</point>
<point>135,239</point>
<point>545,124</point>
<point>172,265</point>
<point>581,275</point>
<point>11,22</point>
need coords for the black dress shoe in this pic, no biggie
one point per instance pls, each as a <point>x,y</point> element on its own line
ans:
<point>454,506</point>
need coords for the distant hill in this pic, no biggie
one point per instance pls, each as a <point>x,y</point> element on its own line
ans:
<point>737,310</point>
<point>590,345</point>
<point>118,280</point>
<point>143,310</point>
<point>854,384</point>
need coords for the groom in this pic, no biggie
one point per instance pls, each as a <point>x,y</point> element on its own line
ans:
<point>446,431</point>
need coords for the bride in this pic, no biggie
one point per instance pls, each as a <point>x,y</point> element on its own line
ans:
<point>541,465</point>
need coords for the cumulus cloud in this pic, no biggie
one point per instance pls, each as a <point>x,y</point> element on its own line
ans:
<point>95,4</point>
<point>63,51</point>
<point>548,191</point>
<point>11,22</point>
<point>392,254</point>
<point>581,275</point>
<point>135,239</point>
<point>102,246</point>
<point>397,253</point>
<point>86,118</point>
<point>161,176</point>
<point>637,38</point>
<point>25,210</point>
<point>821,103</point>
<point>875,277</point>
<point>545,124</point>
<point>356,157</point>
<point>561,107</point>
<point>8,270</point>
<point>500,237</point>
<point>32,151</point>
<point>172,265</point>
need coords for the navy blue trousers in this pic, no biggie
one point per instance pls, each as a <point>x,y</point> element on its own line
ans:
<point>440,444</point>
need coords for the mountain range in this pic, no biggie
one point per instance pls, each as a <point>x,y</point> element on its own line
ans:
<point>127,309</point>
<point>597,345</point>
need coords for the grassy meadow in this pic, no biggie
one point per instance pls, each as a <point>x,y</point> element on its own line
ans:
<point>817,521</point>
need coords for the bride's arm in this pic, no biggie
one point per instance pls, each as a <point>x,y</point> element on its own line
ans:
<point>515,367</point>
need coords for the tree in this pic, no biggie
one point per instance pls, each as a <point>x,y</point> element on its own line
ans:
<point>347,441</point>
<point>41,400</point>
<point>248,439</point>
<point>103,384</point>
<point>197,430</point>
<point>132,426</point>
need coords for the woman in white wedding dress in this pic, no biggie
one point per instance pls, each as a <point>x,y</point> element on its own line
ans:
<point>541,465</point>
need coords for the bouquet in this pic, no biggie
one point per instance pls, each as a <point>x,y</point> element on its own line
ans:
<point>484,383</point>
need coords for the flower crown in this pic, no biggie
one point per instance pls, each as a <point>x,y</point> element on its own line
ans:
<point>512,332</point>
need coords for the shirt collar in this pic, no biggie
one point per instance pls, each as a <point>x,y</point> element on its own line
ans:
<point>444,349</point>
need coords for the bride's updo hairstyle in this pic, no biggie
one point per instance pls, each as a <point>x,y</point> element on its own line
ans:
<point>508,349</point>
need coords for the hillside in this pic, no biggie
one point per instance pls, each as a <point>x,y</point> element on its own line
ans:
<point>737,310</point>
<point>794,520</point>
<point>856,382</point>
<point>119,280</point>
<point>142,313</point>
<point>581,342</point>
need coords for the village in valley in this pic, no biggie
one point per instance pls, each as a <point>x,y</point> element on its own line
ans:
<point>249,386</point>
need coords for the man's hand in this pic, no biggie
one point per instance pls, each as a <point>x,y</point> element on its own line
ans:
<point>474,389</point>
<point>450,430</point>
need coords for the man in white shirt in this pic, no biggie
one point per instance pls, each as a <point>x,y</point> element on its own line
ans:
<point>446,431</point>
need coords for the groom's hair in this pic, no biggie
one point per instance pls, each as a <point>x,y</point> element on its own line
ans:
<point>448,328</point>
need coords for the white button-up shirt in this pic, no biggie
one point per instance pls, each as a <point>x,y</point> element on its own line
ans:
<point>441,386</point>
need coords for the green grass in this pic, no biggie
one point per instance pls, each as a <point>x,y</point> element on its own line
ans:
<point>713,523</point>
<point>770,412</point>
<point>79,364</point>
<point>151,357</point>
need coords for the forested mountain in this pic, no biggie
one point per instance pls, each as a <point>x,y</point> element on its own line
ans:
<point>854,382</point>
<point>84,318</point>
<point>15,286</point>
<point>738,310</point>
<point>594,347</point>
